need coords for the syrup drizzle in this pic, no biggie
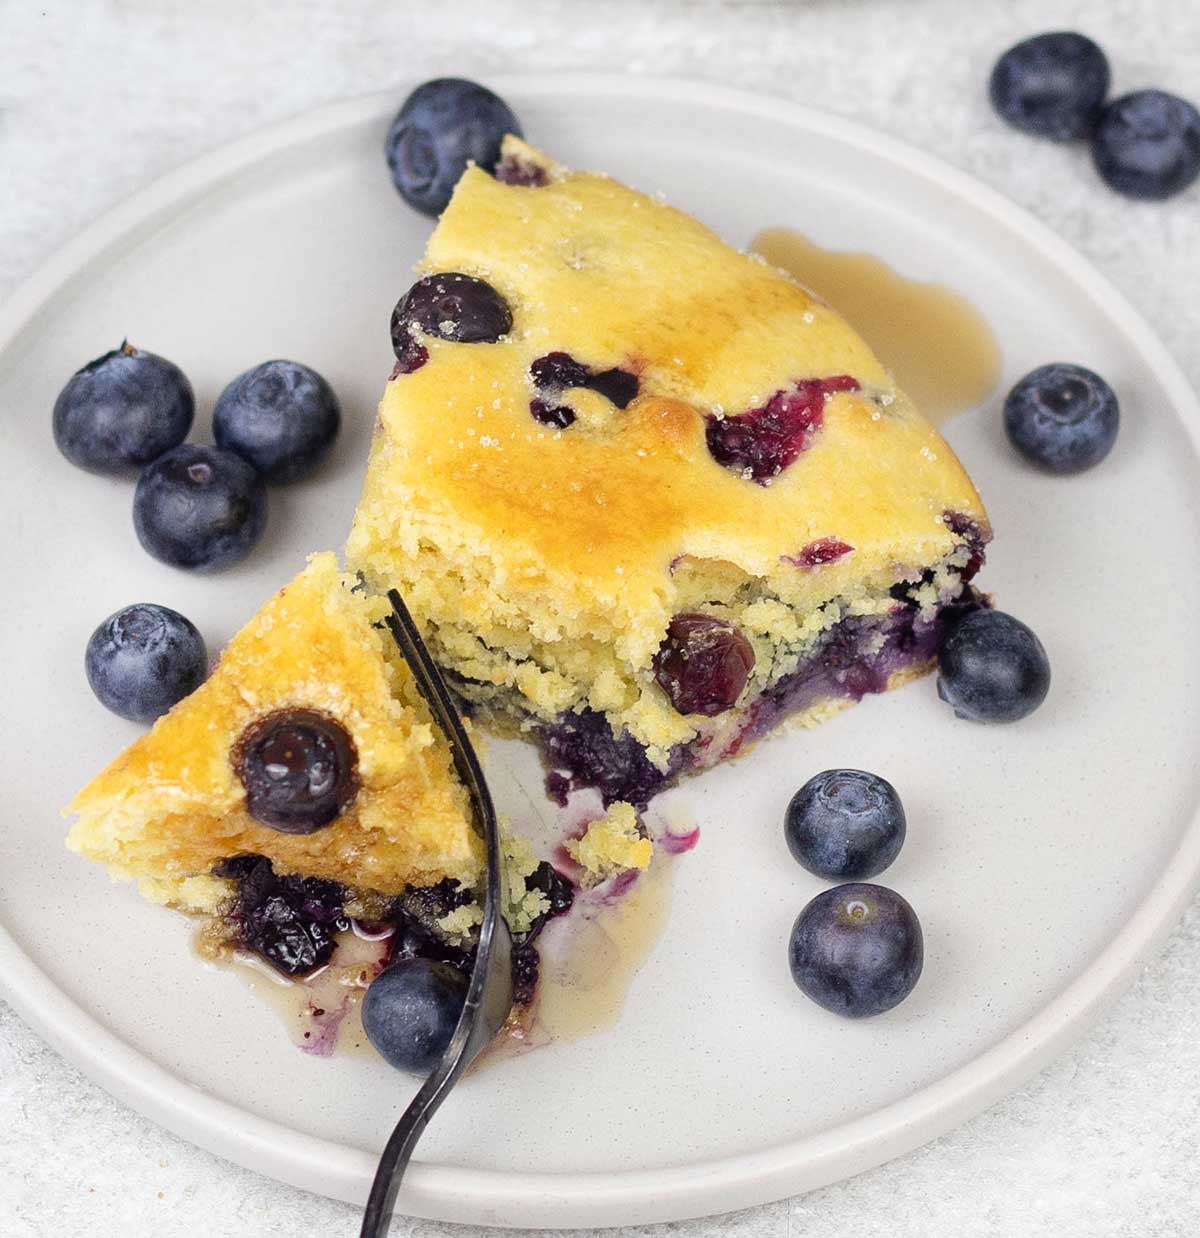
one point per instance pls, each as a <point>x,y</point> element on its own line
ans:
<point>938,345</point>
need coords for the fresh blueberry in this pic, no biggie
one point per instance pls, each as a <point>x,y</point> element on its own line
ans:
<point>448,306</point>
<point>1052,85</point>
<point>992,668</point>
<point>199,507</point>
<point>123,410</point>
<point>280,417</point>
<point>703,664</point>
<point>857,950</point>
<point>1063,418</point>
<point>845,824</point>
<point>1147,144</point>
<point>444,125</point>
<point>142,660</point>
<point>289,921</point>
<point>410,1012</point>
<point>299,770</point>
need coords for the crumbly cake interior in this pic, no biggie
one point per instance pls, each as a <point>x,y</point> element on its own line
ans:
<point>171,807</point>
<point>547,561</point>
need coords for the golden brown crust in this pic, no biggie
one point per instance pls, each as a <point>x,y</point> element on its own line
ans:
<point>546,560</point>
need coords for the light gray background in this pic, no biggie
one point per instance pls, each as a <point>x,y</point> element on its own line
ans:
<point>97,99</point>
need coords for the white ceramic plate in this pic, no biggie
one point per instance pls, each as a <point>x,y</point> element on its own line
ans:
<point>1045,859</point>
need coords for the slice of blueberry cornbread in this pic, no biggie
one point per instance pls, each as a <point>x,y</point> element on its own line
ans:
<point>302,785</point>
<point>647,495</point>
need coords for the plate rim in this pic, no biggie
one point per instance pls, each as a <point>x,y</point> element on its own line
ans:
<point>700,1188</point>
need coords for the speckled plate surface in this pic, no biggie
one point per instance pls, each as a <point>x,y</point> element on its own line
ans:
<point>1046,860</point>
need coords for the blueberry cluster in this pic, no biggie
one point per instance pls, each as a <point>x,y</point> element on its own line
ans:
<point>1145,144</point>
<point>195,506</point>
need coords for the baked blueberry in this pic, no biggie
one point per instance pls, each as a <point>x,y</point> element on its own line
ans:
<point>857,950</point>
<point>583,750</point>
<point>992,668</point>
<point>199,507</point>
<point>299,769</point>
<point>289,921</point>
<point>760,443</point>
<point>123,410</point>
<point>1147,144</point>
<point>444,125</point>
<point>1063,418</point>
<point>143,659</point>
<point>703,664</point>
<point>845,824</point>
<point>281,417</point>
<point>557,415</point>
<point>410,1012</point>
<point>558,370</point>
<point>449,306</point>
<point>1052,85</point>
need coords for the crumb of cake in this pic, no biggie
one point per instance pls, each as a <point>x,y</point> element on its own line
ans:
<point>612,845</point>
<point>204,895</point>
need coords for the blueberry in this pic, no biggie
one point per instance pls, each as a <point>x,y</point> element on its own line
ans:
<point>450,306</point>
<point>280,417</point>
<point>558,371</point>
<point>199,507</point>
<point>1063,418</point>
<point>1147,144</point>
<point>583,750</point>
<point>444,125</point>
<point>1052,85</point>
<point>299,769</point>
<point>557,415</point>
<point>410,1012</point>
<point>289,921</point>
<point>526,967</point>
<point>761,442</point>
<point>123,410</point>
<point>845,824</point>
<point>856,950</point>
<point>703,664</point>
<point>992,668</point>
<point>142,660</point>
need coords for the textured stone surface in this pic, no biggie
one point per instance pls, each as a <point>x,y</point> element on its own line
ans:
<point>98,98</point>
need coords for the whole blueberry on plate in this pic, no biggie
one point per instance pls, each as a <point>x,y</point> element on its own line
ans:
<point>845,824</point>
<point>281,417</point>
<point>992,668</point>
<point>410,1012</point>
<point>444,125</point>
<point>199,507</point>
<point>1147,144</point>
<point>1052,85</point>
<point>143,659</point>
<point>1063,418</point>
<point>857,950</point>
<point>123,410</point>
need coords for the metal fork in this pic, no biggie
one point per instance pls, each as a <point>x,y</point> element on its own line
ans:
<point>489,993</point>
